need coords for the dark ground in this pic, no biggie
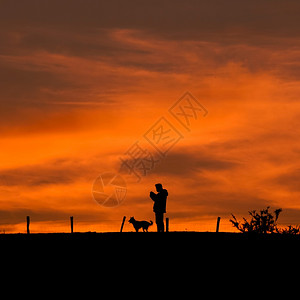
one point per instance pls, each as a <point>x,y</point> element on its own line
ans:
<point>145,236</point>
<point>151,242</point>
<point>110,259</point>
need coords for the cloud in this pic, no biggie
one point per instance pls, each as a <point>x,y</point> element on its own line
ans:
<point>59,171</point>
<point>52,69</point>
<point>187,163</point>
<point>18,215</point>
<point>50,214</point>
<point>289,180</point>
<point>216,204</point>
<point>172,18</point>
<point>21,85</point>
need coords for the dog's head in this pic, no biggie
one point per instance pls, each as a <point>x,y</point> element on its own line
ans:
<point>131,220</point>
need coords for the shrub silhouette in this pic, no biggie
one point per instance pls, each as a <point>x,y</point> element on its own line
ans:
<point>261,222</point>
<point>289,230</point>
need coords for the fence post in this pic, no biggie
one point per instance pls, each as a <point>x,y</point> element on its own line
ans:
<point>28,223</point>
<point>167,224</point>
<point>124,218</point>
<point>71,221</point>
<point>218,224</point>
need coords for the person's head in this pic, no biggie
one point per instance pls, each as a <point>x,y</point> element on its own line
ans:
<point>158,187</point>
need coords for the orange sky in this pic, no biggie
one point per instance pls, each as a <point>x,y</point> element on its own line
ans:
<point>80,84</point>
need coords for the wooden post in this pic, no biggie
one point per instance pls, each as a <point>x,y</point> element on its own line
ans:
<point>28,223</point>
<point>218,224</point>
<point>124,218</point>
<point>167,224</point>
<point>71,221</point>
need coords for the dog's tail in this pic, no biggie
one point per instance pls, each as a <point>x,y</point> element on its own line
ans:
<point>150,223</point>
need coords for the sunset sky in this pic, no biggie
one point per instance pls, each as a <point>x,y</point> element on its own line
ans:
<point>82,81</point>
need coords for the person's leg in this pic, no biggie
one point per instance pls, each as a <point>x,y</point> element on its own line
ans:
<point>159,219</point>
<point>162,223</point>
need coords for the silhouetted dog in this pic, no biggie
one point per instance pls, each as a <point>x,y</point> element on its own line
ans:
<point>140,224</point>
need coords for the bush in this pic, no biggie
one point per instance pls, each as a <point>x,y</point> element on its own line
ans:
<point>261,222</point>
<point>289,230</point>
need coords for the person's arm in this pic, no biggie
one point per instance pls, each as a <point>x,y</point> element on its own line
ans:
<point>153,196</point>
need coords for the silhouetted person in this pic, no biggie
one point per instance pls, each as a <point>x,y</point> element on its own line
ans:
<point>159,207</point>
